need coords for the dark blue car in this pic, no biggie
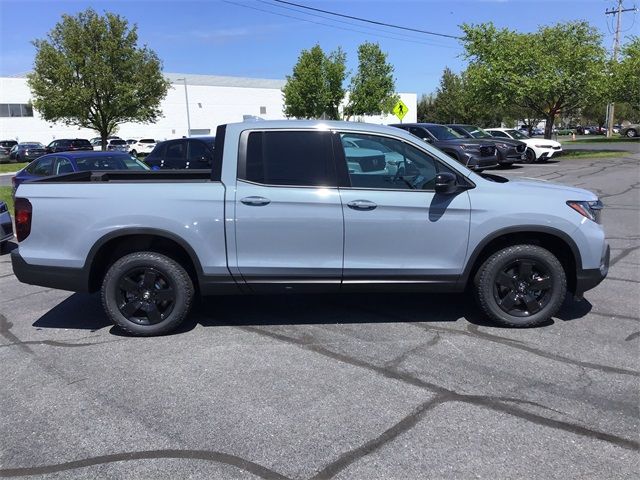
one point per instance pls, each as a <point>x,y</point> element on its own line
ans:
<point>69,162</point>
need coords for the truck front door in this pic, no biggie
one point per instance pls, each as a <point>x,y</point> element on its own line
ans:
<point>397,229</point>
<point>288,216</point>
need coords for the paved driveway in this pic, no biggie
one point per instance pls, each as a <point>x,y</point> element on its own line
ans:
<point>358,387</point>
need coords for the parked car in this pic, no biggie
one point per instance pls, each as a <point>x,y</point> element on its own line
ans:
<point>6,227</point>
<point>280,212</point>
<point>630,131</point>
<point>564,131</point>
<point>509,151</point>
<point>538,149</point>
<point>69,162</point>
<point>474,154</point>
<point>117,145</point>
<point>183,153</point>
<point>142,147</point>
<point>5,149</point>
<point>69,145</point>
<point>27,151</point>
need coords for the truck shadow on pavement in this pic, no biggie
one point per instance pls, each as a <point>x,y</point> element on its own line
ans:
<point>84,312</point>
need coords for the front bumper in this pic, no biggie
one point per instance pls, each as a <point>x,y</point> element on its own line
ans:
<point>586,279</point>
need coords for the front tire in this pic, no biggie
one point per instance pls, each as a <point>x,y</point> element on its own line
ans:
<point>134,153</point>
<point>521,286</point>
<point>631,133</point>
<point>530,156</point>
<point>147,293</point>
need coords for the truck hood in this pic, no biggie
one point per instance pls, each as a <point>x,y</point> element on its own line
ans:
<point>544,187</point>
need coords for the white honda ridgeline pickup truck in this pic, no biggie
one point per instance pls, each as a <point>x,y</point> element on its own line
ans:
<point>302,206</point>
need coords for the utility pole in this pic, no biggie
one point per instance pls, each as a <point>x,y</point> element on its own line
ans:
<point>616,46</point>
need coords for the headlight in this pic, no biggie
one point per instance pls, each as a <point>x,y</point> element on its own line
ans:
<point>544,146</point>
<point>590,210</point>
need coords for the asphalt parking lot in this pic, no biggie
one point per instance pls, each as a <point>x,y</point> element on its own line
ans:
<point>358,387</point>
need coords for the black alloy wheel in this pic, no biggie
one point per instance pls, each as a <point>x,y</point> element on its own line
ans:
<point>521,285</point>
<point>147,293</point>
<point>145,296</point>
<point>522,288</point>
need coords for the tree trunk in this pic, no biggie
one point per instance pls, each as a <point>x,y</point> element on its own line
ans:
<point>103,139</point>
<point>548,127</point>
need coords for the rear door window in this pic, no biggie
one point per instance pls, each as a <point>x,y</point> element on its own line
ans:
<point>303,158</point>
<point>175,154</point>
<point>43,167</point>
<point>199,155</point>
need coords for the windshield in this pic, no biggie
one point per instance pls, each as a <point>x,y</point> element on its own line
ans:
<point>32,145</point>
<point>109,162</point>
<point>117,142</point>
<point>477,132</point>
<point>443,133</point>
<point>517,134</point>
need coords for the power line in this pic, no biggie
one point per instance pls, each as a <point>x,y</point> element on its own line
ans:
<point>336,26</point>
<point>413,37</point>
<point>370,21</point>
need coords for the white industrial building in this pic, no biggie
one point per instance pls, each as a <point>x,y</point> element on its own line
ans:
<point>212,100</point>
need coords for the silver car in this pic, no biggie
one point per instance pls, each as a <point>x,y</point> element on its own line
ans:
<point>630,131</point>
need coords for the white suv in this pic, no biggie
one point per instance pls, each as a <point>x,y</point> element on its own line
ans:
<point>538,149</point>
<point>142,147</point>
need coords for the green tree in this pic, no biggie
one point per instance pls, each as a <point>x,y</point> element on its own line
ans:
<point>372,89</point>
<point>627,74</point>
<point>449,104</point>
<point>314,89</point>
<point>426,112</point>
<point>91,73</point>
<point>557,68</point>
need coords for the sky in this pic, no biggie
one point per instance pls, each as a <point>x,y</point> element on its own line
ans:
<point>261,38</point>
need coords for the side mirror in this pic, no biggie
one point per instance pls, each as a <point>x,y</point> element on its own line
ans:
<point>446,183</point>
<point>427,139</point>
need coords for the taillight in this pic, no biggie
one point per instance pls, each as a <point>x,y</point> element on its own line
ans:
<point>23,218</point>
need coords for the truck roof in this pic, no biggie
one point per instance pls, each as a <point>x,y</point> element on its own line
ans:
<point>319,125</point>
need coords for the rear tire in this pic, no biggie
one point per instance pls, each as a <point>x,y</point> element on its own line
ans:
<point>134,153</point>
<point>631,133</point>
<point>147,293</point>
<point>521,286</point>
<point>530,156</point>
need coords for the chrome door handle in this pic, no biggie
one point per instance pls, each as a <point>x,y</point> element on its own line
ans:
<point>361,205</point>
<point>256,201</point>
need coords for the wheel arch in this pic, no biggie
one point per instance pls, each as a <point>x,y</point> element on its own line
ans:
<point>552,239</point>
<point>115,245</point>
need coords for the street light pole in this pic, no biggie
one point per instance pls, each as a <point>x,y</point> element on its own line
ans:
<point>186,101</point>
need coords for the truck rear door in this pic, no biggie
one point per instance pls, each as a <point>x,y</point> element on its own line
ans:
<point>288,214</point>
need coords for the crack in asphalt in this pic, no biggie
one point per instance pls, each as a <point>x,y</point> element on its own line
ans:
<point>633,336</point>
<point>499,404</point>
<point>625,252</point>
<point>552,356</point>
<point>218,457</point>
<point>397,361</point>
<point>5,331</point>
<point>58,343</point>
<point>405,424</point>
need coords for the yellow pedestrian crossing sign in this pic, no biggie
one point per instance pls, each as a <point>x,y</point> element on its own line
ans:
<point>400,109</point>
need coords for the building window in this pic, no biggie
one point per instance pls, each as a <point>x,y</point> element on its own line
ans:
<point>16,110</point>
<point>263,110</point>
